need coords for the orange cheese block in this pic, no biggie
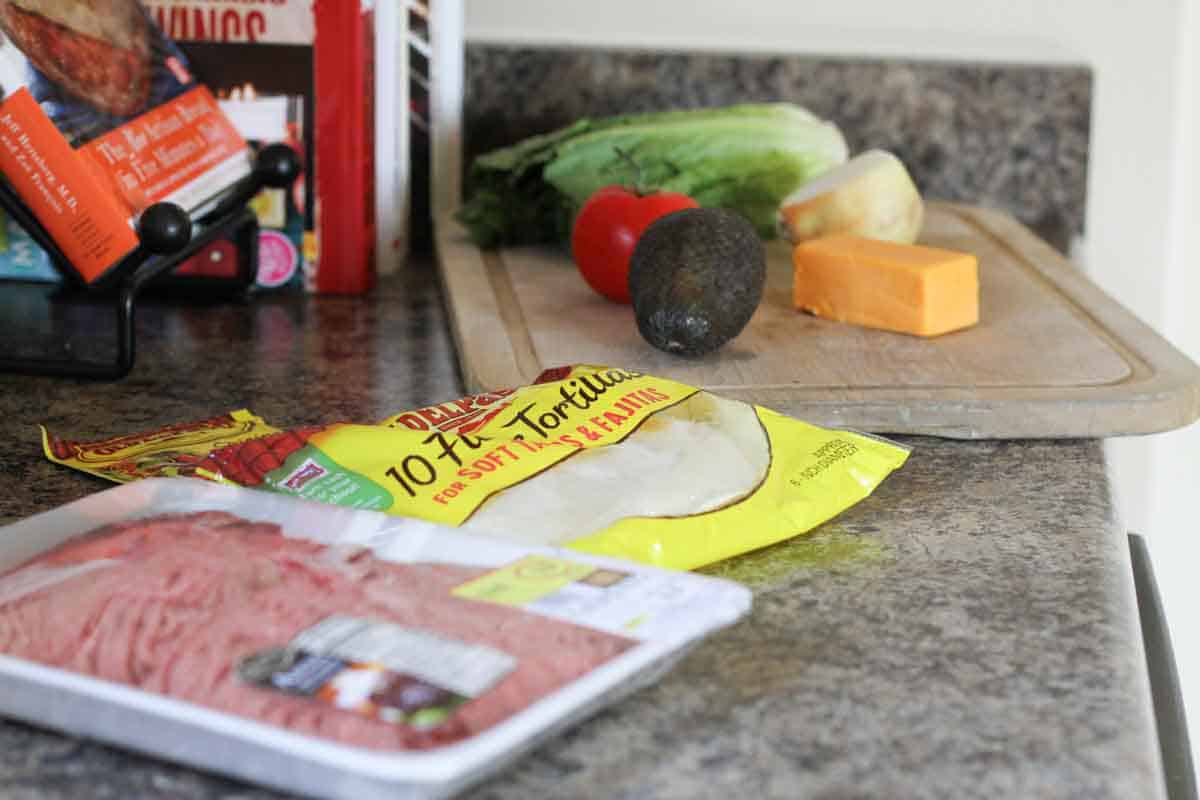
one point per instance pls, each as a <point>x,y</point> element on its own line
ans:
<point>907,288</point>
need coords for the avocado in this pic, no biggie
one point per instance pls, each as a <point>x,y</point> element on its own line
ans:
<point>696,276</point>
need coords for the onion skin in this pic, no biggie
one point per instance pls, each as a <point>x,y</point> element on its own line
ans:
<point>871,195</point>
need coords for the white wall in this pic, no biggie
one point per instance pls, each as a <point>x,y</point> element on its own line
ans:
<point>1174,458</point>
<point>1142,243</point>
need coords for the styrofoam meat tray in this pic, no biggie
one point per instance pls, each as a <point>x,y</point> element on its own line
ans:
<point>676,611</point>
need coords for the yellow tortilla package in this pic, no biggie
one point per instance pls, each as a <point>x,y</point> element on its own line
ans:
<point>603,460</point>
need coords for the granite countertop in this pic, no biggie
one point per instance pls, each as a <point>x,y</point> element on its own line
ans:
<point>970,630</point>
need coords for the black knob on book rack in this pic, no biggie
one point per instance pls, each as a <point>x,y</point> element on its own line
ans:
<point>168,236</point>
<point>165,228</point>
<point>278,165</point>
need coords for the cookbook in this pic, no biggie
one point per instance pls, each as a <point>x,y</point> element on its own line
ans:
<point>300,72</point>
<point>102,117</point>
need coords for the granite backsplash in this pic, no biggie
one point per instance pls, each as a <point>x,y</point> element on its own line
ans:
<point>1013,137</point>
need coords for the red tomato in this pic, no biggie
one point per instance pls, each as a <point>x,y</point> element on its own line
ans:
<point>608,228</point>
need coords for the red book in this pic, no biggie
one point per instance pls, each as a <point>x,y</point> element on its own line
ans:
<point>345,144</point>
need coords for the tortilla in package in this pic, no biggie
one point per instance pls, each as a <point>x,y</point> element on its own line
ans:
<point>601,460</point>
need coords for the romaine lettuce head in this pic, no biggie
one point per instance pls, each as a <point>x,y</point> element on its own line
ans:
<point>745,157</point>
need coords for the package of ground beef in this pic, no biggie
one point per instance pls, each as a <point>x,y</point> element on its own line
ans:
<point>323,650</point>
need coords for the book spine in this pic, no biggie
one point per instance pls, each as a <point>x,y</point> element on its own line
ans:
<point>63,191</point>
<point>344,147</point>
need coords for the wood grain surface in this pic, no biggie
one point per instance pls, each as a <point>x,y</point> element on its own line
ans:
<point>1052,355</point>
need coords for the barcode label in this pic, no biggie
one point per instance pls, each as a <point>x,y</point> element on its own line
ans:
<point>465,668</point>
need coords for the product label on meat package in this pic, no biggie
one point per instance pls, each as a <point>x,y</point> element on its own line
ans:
<point>608,599</point>
<point>380,670</point>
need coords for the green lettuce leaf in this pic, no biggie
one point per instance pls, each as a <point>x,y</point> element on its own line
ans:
<point>745,157</point>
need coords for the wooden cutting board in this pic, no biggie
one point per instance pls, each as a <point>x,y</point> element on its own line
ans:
<point>1052,355</point>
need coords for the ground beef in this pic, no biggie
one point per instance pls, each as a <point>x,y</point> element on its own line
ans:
<point>191,594</point>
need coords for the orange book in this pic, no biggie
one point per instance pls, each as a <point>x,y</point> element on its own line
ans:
<point>101,119</point>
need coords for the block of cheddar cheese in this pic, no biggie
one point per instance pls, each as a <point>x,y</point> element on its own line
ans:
<point>924,291</point>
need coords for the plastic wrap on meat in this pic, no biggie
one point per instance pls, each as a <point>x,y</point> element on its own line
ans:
<point>175,601</point>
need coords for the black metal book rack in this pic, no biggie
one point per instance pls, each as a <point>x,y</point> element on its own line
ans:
<point>168,236</point>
